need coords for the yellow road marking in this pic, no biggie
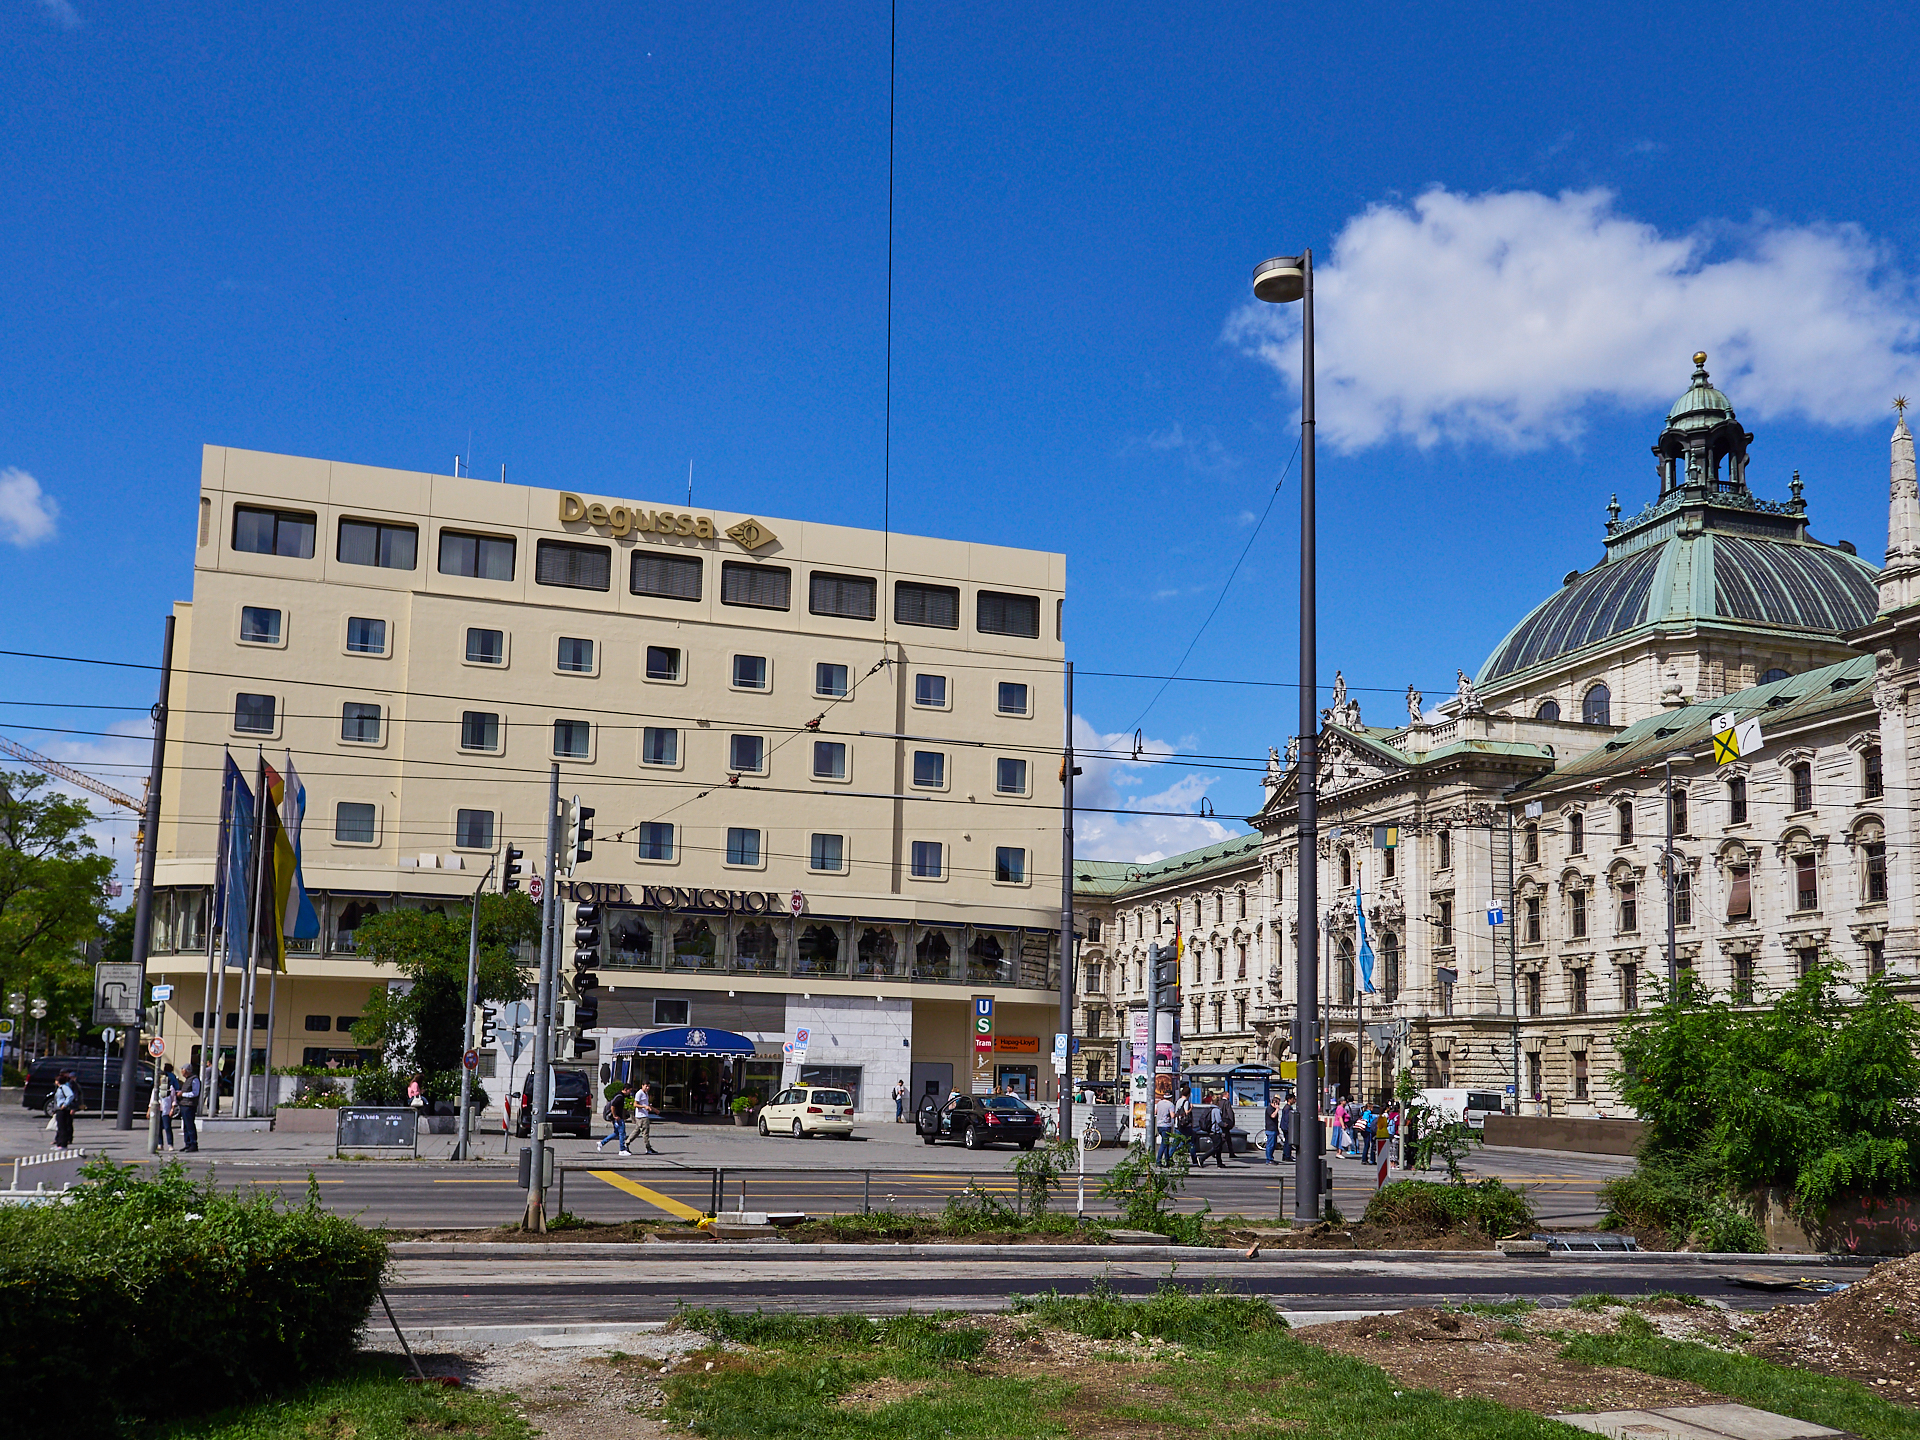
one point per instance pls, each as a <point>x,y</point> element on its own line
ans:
<point>652,1197</point>
<point>291,1181</point>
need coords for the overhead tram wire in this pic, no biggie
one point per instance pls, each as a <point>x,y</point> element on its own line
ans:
<point>1221,598</point>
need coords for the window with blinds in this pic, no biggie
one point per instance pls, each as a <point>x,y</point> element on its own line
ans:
<point>578,567</point>
<point>766,587</point>
<point>671,577</point>
<point>1001,614</point>
<point>851,597</point>
<point>936,606</point>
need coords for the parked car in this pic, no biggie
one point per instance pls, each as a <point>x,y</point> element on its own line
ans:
<point>570,1105</point>
<point>809,1110</point>
<point>86,1082</point>
<point>983,1120</point>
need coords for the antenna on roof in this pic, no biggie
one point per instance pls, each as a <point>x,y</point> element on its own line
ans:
<point>689,482</point>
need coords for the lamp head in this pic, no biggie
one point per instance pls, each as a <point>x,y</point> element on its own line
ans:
<point>1281,280</point>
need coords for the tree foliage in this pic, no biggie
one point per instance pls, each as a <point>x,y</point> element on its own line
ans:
<point>1814,1093</point>
<point>53,887</point>
<point>423,1029</point>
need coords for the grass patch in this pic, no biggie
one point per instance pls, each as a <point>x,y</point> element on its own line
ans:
<point>1495,1309</point>
<point>1212,1318</point>
<point>1824,1400</point>
<point>372,1402</point>
<point>1492,1208</point>
<point>932,1338</point>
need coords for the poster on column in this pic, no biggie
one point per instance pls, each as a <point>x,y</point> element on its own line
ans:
<point>982,1077</point>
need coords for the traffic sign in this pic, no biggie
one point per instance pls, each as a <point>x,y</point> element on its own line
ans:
<point>162,992</point>
<point>156,1047</point>
<point>116,994</point>
<point>471,1059</point>
<point>109,1035</point>
<point>6,1028</point>
<point>536,888</point>
<point>1496,916</point>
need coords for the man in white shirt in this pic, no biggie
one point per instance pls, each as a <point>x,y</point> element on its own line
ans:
<point>1163,1127</point>
<point>643,1117</point>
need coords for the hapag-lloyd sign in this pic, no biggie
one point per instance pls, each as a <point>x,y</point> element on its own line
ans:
<point>677,897</point>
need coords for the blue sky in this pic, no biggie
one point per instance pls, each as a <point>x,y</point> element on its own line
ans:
<point>594,242</point>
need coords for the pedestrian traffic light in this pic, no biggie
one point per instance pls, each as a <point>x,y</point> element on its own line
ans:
<point>1166,976</point>
<point>510,875</point>
<point>579,844</point>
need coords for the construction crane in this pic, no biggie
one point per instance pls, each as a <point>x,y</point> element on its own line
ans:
<point>71,775</point>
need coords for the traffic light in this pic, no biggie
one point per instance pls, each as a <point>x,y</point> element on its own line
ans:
<point>1166,976</point>
<point>510,874</point>
<point>579,846</point>
<point>579,986</point>
<point>488,1015</point>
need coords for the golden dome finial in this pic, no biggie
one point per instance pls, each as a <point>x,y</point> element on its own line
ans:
<point>1700,357</point>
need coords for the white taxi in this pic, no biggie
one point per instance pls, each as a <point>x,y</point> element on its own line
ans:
<point>808,1110</point>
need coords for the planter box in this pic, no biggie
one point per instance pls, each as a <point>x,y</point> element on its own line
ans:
<point>746,1117</point>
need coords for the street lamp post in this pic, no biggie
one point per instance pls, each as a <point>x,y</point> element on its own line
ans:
<point>1281,281</point>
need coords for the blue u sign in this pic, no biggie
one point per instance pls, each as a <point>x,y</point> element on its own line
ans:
<point>983,1005</point>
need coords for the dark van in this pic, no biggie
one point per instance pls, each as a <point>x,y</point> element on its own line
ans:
<point>86,1082</point>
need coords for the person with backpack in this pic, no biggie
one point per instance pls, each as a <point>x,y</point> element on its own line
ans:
<point>1338,1142</point>
<point>1364,1140</point>
<point>61,1108</point>
<point>1220,1129</point>
<point>618,1108</point>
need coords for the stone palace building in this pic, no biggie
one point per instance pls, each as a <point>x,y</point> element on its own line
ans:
<point>1506,846</point>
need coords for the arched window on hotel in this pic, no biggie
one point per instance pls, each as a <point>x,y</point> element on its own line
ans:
<point>1597,707</point>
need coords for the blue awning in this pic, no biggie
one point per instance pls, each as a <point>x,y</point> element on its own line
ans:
<point>686,1040</point>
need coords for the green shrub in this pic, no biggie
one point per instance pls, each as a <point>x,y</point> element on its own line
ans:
<point>746,1104</point>
<point>1146,1193</point>
<point>1490,1207</point>
<point>1211,1317</point>
<point>1683,1197</point>
<point>877,1225</point>
<point>145,1297</point>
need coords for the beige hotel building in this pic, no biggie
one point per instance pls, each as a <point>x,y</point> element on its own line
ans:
<point>758,708</point>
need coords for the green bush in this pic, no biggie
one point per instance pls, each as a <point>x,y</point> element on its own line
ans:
<point>145,1297</point>
<point>1212,1317</point>
<point>1146,1193</point>
<point>1683,1197</point>
<point>1490,1207</point>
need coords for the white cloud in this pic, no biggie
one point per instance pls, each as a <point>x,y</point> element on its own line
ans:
<point>1497,318</point>
<point>1120,784</point>
<point>1200,454</point>
<point>26,514</point>
<point>61,13</point>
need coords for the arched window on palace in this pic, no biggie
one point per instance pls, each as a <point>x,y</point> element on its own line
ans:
<point>1346,972</point>
<point>1597,707</point>
<point>1549,710</point>
<point>1346,868</point>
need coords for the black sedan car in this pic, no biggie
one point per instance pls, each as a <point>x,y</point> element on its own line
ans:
<point>570,1106</point>
<point>978,1121</point>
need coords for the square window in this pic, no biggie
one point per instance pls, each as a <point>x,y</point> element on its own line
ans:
<point>743,846</point>
<point>1010,776</point>
<point>830,680</point>
<point>935,606</point>
<point>656,840</point>
<point>829,760</point>
<point>576,656</point>
<point>473,829</point>
<point>571,739</point>
<point>851,597</point>
<point>672,1012</point>
<point>926,859</point>
<point>273,532</point>
<point>253,714</point>
<point>663,662</point>
<point>1010,865</point>
<point>478,557</point>
<point>366,637</point>
<point>391,547</point>
<point>659,746</point>
<point>930,691</point>
<point>747,753</point>
<point>929,769</point>
<point>486,647</point>
<point>765,587</point>
<point>671,577</point>
<point>1000,614</point>
<point>480,730</point>
<point>1013,698</point>
<point>259,625</point>
<point>749,672</point>
<point>577,567</point>
<point>353,823</point>
<point>360,722</point>
<point>319,1022</point>
<point>828,853</point>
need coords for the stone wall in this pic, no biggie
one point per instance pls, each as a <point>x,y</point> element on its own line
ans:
<point>1571,1133</point>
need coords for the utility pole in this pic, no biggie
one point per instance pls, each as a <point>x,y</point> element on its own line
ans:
<point>1067,945</point>
<point>536,1216</point>
<point>143,901</point>
<point>473,980</point>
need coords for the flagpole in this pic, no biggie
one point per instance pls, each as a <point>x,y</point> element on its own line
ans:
<point>210,1058</point>
<point>207,1004</point>
<point>242,1098</point>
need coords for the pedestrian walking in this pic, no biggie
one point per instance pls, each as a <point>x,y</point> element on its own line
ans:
<point>1273,1126</point>
<point>1163,1128</point>
<point>189,1111</point>
<point>169,1098</point>
<point>619,1108</point>
<point>1221,1129</point>
<point>1287,1113</point>
<point>1338,1139</point>
<point>643,1118</point>
<point>1366,1135</point>
<point>63,1101</point>
<point>900,1103</point>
